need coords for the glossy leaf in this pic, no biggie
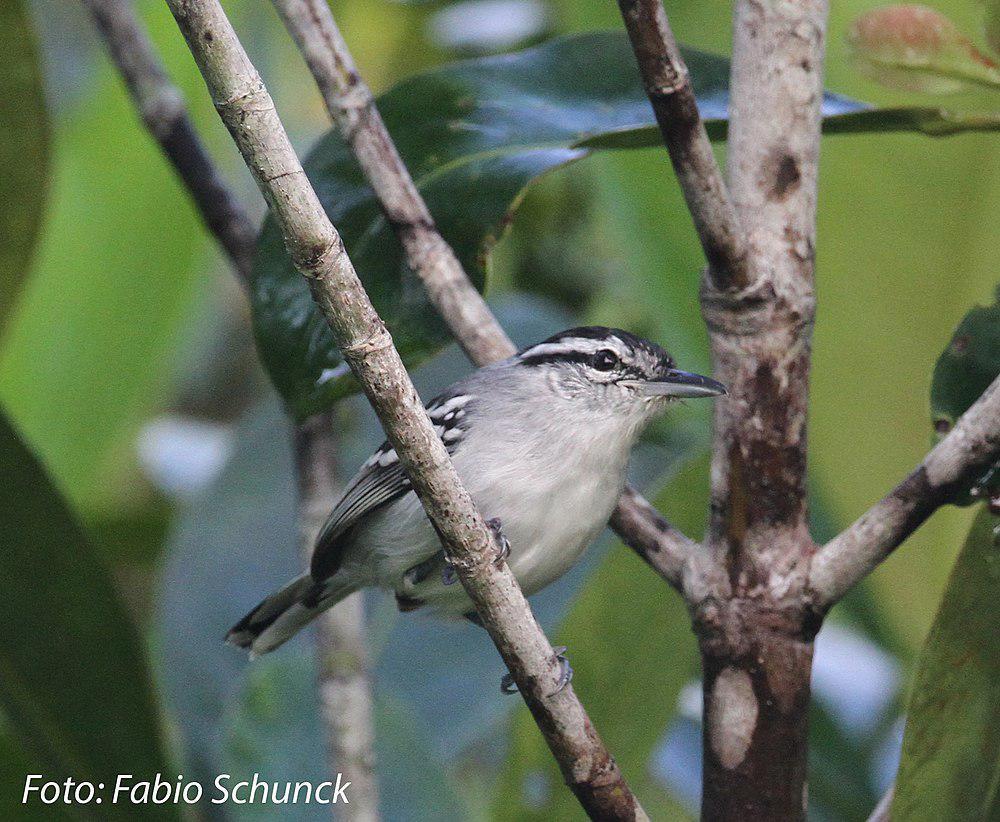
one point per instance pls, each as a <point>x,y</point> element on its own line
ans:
<point>916,48</point>
<point>473,134</point>
<point>951,748</point>
<point>82,714</point>
<point>24,151</point>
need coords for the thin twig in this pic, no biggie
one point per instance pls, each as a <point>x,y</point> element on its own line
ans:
<point>344,678</point>
<point>665,549</point>
<point>344,674</point>
<point>668,85</point>
<point>318,252</point>
<point>161,107</point>
<point>966,453</point>
<point>352,107</point>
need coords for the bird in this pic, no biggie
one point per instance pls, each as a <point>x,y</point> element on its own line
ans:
<point>540,440</point>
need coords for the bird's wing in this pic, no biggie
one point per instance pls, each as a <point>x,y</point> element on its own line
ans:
<point>380,481</point>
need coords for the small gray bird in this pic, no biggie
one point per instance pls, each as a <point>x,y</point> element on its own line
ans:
<point>541,441</point>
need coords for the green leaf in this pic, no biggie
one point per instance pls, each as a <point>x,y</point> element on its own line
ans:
<point>632,649</point>
<point>915,48</point>
<point>473,134</point>
<point>967,366</point>
<point>963,372</point>
<point>950,764</point>
<point>73,677</point>
<point>24,151</point>
<point>115,276</point>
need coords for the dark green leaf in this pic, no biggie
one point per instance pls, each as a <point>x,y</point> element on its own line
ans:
<point>24,150</point>
<point>951,748</point>
<point>73,678</point>
<point>965,370</point>
<point>473,134</point>
<point>967,366</point>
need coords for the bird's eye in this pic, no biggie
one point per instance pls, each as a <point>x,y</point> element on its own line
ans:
<point>605,360</point>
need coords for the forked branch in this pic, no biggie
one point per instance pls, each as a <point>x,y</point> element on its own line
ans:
<point>318,252</point>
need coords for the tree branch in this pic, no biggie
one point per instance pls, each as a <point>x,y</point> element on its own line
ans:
<point>640,526</point>
<point>352,107</point>
<point>344,679</point>
<point>966,453</point>
<point>668,85</point>
<point>344,675</point>
<point>318,252</point>
<point>162,110</point>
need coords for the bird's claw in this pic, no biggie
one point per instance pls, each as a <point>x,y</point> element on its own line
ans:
<point>508,686</point>
<point>504,544</point>
<point>449,576</point>
<point>565,670</point>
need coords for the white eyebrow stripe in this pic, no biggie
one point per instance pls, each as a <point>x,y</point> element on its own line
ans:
<point>575,345</point>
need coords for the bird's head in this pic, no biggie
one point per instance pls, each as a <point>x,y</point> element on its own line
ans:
<point>613,372</point>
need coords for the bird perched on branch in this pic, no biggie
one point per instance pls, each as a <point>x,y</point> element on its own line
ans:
<point>541,441</point>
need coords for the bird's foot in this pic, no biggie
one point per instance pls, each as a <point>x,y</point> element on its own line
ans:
<point>448,573</point>
<point>496,526</point>
<point>508,686</point>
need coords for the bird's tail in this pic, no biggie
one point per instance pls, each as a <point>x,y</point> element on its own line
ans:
<point>283,614</point>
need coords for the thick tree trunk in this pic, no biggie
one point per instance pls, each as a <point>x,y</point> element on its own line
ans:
<point>753,609</point>
<point>756,722</point>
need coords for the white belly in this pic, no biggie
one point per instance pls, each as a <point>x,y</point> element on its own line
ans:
<point>549,523</point>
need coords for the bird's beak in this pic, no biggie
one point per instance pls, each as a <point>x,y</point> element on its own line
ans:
<point>682,384</point>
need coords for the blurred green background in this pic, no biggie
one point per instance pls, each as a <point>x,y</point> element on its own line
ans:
<point>127,365</point>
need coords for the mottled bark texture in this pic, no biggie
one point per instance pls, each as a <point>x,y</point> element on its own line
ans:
<point>164,114</point>
<point>754,627</point>
<point>318,253</point>
<point>352,107</point>
<point>758,588</point>
<point>344,674</point>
